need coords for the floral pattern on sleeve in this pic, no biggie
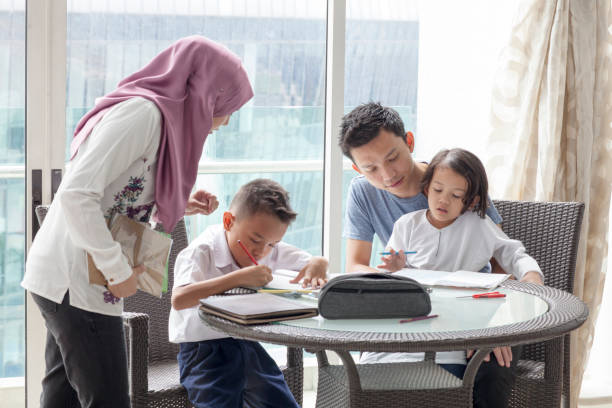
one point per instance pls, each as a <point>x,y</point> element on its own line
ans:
<point>125,202</point>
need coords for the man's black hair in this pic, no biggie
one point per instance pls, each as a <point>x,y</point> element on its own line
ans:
<point>363,124</point>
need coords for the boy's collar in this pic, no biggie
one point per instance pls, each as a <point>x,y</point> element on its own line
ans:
<point>223,255</point>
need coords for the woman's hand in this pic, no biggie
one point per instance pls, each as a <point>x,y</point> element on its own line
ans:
<point>393,262</point>
<point>314,273</point>
<point>129,286</point>
<point>201,202</point>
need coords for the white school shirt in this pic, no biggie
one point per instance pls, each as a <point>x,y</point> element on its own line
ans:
<point>113,172</point>
<point>208,257</point>
<point>467,244</point>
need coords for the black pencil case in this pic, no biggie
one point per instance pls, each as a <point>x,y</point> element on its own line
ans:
<point>373,296</point>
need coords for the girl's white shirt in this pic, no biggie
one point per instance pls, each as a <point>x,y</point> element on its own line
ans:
<point>113,172</point>
<point>467,244</point>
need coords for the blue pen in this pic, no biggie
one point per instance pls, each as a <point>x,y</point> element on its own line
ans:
<point>405,253</point>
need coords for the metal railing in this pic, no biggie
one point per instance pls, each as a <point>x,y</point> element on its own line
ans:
<point>220,167</point>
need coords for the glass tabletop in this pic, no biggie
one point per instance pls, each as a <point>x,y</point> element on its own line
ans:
<point>454,314</point>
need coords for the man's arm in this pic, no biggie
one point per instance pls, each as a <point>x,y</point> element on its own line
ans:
<point>358,256</point>
<point>495,267</point>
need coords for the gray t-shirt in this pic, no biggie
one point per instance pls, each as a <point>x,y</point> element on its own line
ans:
<point>370,211</point>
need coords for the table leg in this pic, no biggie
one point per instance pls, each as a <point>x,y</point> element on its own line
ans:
<point>473,365</point>
<point>321,358</point>
<point>351,369</point>
<point>357,396</point>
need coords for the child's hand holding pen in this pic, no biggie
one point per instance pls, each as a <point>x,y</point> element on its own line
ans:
<point>394,261</point>
<point>253,276</point>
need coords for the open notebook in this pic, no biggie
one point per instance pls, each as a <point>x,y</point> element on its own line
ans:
<point>256,308</point>
<point>459,279</point>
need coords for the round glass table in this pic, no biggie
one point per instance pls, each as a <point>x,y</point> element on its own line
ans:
<point>529,313</point>
<point>454,312</point>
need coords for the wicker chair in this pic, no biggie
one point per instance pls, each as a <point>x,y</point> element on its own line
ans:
<point>152,365</point>
<point>550,233</point>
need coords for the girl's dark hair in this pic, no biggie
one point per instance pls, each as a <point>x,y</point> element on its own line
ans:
<point>468,165</point>
<point>363,124</point>
<point>263,195</point>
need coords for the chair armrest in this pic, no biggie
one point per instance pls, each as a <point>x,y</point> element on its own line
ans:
<point>136,326</point>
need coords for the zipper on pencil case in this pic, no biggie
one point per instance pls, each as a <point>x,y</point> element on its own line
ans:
<point>348,290</point>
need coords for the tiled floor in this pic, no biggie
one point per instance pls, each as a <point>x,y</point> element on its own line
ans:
<point>310,398</point>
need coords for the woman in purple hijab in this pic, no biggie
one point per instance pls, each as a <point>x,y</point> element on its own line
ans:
<point>135,153</point>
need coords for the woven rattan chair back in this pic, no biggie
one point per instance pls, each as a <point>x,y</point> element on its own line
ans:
<point>550,232</point>
<point>159,310</point>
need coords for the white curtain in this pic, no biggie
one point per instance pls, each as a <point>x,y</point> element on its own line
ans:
<point>551,134</point>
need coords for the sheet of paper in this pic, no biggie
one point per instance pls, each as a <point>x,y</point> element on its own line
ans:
<point>460,279</point>
<point>468,279</point>
<point>423,276</point>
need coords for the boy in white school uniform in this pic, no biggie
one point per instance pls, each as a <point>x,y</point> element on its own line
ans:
<point>216,370</point>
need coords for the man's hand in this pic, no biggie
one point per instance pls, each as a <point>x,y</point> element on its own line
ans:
<point>129,286</point>
<point>503,355</point>
<point>532,277</point>
<point>201,202</point>
<point>314,273</point>
<point>393,262</point>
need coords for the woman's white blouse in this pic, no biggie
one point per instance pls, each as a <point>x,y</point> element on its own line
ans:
<point>113,172</point>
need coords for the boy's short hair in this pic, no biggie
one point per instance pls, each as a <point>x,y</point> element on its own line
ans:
<point>263,195</point>
<point>362,124</point>
<point>468,165</point>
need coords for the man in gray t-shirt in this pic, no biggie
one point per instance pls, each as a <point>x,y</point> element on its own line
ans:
<point>374,138</point>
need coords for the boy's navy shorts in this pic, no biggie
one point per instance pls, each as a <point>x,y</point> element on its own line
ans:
<point>232,373</point>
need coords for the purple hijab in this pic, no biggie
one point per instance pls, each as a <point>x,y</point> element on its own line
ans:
<point>191,81</point>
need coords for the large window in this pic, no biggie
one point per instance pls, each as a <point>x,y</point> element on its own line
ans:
<point>12,198</point>
<point>382,59</point>
<point>284,54</point>
<point>279,134</point>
